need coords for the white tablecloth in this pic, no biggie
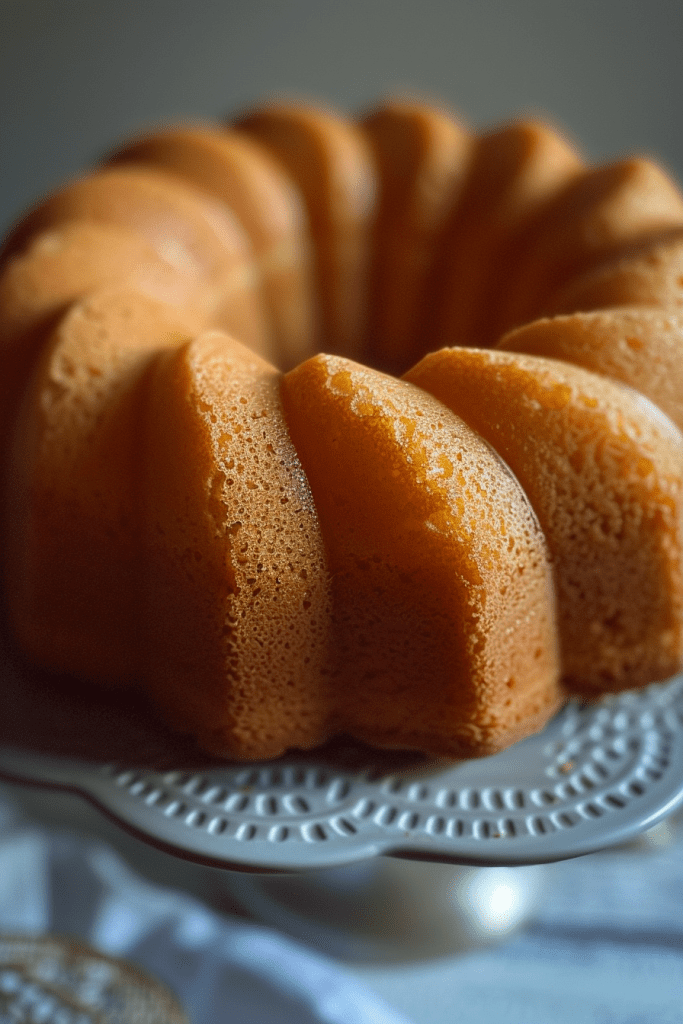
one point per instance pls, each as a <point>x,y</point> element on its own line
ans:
<point>606,946</point>
<point>224,969</point>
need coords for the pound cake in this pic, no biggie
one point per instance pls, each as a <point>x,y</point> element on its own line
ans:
<point>311,425</point>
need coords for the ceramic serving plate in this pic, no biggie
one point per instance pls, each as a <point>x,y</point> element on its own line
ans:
<point>596,776</point>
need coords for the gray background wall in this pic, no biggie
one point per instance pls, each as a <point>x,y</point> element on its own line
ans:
<point>76,75</point>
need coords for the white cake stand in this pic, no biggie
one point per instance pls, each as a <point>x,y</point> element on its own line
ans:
<point>598,775</point>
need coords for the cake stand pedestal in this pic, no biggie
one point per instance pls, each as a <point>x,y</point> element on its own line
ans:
<point>392,910</point>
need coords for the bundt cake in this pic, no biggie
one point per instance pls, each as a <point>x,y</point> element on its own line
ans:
<point>468,509</point>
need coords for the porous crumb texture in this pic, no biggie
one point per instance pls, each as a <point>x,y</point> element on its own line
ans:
<point>280,546</point>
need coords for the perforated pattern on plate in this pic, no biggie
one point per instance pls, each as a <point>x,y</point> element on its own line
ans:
<point>596,775</point>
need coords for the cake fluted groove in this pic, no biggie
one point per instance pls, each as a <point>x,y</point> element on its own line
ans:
<point>422,155</point>
<point>243,176</point>
<point>597,214</point>
<point>645,272</point>
<point>330,161</point>
<point>601,467</point>
<point>515,172</point>
<point>638,346</point>
<point>436,562</point>
<point>72,526</point>
<point>236,591</point>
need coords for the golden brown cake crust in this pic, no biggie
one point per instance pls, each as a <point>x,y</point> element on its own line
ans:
<point>237,585</point>
<point>640,347</point>
<point>601,467</point>
<point>594,217</point>
<point>513,173</point>
<point>330,161</point>
<point>244,177</point>
<point>646,273</point>
<point>422,155</point>
<point>275,558</point>
<point>74,475</point>
<point>419,518</point>
<point>57,268</point>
